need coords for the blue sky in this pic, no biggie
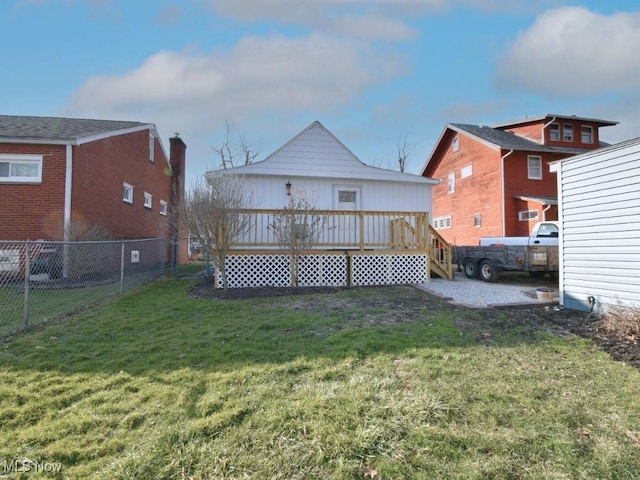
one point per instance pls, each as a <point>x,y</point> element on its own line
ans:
<point>374,72</point>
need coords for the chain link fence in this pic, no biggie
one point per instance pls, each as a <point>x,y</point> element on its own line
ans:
<point>43,280</point>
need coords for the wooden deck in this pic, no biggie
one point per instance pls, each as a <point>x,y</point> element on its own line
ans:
<point>348,231</point>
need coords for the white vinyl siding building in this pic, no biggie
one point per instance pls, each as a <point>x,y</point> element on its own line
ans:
<point>317,163</point>
<point>599,208</point>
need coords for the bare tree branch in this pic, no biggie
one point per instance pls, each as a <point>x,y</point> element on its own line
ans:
<point>214,215</point>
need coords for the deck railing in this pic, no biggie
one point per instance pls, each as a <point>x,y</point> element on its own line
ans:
<point>346,230</point>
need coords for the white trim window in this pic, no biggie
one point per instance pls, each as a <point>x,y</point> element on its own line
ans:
<point>554,132</point>
<point>466,171</point>
<point>127,193</point>
<point>586,134</point>
<point>16,168</point>
<point>528,215</point>
<point>534,167</point>
<point>442,222</point>
<point>164,207</point>
<point>152,148</point>
<point>451,182</point>
<point>567,132</point>
<point>456,143</point>
<point>148,200</point>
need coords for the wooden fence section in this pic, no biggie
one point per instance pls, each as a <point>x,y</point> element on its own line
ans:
<point>345,230</point>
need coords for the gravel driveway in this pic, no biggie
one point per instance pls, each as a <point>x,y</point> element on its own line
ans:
<point>511,289</point>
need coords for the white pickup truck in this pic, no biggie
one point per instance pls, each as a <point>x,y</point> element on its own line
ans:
<point>537,254</point>
<point>544,233</point>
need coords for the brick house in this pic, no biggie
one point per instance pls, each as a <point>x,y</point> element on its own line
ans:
<point>60,178</point>
<point>495,181</point>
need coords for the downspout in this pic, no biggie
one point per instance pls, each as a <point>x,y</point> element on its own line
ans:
<point>67,193</point>
<point>502,194</point>
<point>67,210</point>
<point>544,213</point>
<point>544,127</point>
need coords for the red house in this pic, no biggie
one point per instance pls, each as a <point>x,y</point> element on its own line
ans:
<point>495,181</point>
<point>61,178</point>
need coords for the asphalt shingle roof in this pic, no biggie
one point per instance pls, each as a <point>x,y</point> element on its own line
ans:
<point>510,141</point>
<point>58,129</point>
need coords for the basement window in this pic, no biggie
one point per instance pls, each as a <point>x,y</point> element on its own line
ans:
<point>442,222</point>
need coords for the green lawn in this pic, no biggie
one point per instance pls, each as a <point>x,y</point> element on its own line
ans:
<point>157,384</point>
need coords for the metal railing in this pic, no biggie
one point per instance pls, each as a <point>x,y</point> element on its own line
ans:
<point>42,280</point>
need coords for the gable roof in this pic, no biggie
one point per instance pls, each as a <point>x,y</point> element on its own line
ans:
<point>66,131</point>
<point>317,153</point>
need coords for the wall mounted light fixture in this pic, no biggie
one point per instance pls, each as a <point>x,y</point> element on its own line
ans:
<point>288,185</point>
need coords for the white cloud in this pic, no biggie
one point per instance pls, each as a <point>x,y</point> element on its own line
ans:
<point>572,52</point>
<point>259,75</point>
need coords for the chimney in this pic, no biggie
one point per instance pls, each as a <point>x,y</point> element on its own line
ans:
<point>177,159</point>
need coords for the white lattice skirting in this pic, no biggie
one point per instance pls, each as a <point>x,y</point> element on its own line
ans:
<point>274,270</point>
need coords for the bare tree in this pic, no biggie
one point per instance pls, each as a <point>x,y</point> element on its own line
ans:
<point>235,152</point>
<point>298,227</point>
<point>404,152</point>
<point>214,215</point>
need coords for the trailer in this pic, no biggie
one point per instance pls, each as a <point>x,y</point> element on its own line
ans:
<point>487,262</point>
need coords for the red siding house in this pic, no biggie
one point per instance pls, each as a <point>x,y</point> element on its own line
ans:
<point>63,177</point>
<point>495,181</point>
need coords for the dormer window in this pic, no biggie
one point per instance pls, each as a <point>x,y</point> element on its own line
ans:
<point>586,134</point>
<point>554,132</point>
<point>567,132</point>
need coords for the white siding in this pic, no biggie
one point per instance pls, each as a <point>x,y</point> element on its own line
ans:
<point>270,192</point>
<point>600,238</point>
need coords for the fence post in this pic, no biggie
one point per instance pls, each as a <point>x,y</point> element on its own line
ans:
<point>122,269</point>
<point>27,274</point>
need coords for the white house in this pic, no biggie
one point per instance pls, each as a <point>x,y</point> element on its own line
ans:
<point>599,209</point>
<point>378,231</point>
<point>316,162</point>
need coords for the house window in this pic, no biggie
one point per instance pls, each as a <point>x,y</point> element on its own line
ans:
<point>451,182</point>
<point>456,144</point>
<point>477,220</point>
<point>554,132</point>
<point>466,171</point>
<point>442,222</point>
<point>148,200</point>
<point>586,134</point>
<point>127,193</point>
<point>534,166</point>
<point>527,215</point>
<point>163,207</point>
<point>567,132</point>
<point>21,168</point>
<point>152,148</point>
<point>347,197</point>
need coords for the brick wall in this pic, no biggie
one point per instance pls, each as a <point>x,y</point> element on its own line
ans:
<point>478,193</point>
<point>99,171</point>
<point>34,211</point>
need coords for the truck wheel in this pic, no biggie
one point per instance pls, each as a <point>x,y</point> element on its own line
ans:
<point>488,272</point>
<point>470,269</point>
